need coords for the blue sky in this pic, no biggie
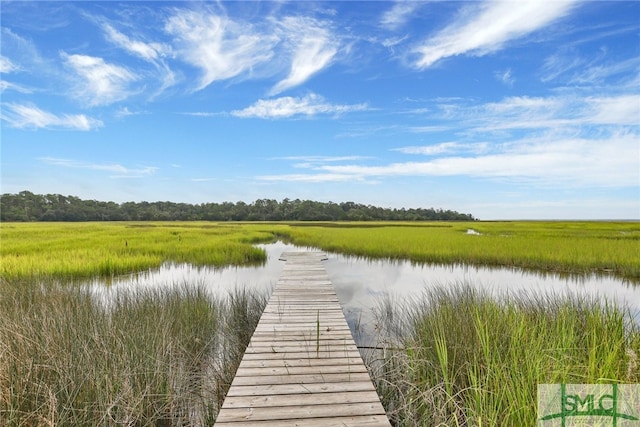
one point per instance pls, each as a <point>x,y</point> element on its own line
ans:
<point>501,109</point>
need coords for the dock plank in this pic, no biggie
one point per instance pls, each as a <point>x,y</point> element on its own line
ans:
<point>300,389</point>
<point>358,421</point>
<point>299,412</point>
<point>302,367</point>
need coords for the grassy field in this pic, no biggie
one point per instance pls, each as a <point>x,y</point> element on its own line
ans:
<point>81,250</point>
<point>166,357</point>
<point>152,357</point>
<point>76,250</point>
<point>569,247</point>
<point>465,358</point>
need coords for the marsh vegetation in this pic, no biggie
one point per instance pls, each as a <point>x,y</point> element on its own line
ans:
<point>151,357</point>
<point>76,250</point>
<point>165,356</point>
<point>458,356</point>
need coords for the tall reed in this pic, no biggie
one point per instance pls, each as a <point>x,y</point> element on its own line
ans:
<point>564,247</point>
<point>472,359</point>
<point>144,357</point>
<point>42,251</point>
<point>71,250</point>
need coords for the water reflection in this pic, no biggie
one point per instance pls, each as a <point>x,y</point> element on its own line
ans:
<point>360,283</point>
<point>218,281</point>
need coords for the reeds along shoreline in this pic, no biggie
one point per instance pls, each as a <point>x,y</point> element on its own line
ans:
<point>465,358</point>
<point>167,356</point>
<point>455,356</point>
<point>152,357</point>
<point>41,251</point>
<point>72,251</point>
<point>566,247</point>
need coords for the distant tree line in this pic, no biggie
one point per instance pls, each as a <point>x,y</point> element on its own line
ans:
<point>26,206</point>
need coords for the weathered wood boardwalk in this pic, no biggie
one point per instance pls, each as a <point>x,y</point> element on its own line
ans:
<point>302,367</point>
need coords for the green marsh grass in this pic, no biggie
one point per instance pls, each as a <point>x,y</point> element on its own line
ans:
<point>167,357</point>
<point>145,357</point>
<point>81,250</point>
<point>471,359</point>
<point>42,251</point>
<point>565,247</point>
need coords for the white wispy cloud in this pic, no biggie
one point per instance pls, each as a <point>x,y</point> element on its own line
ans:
<point>484,28</point>
<point>6,66</point>
<point>223,47</point>
<point>29,116</point>
<point>101,83</point>
<point>321,159</point>
<point>610,162</point>
<point>311,178</point>
<point>203,179</point>
<point>219,46</point>
<point>427,129</point>
<point>313,45</point>
<point>148,51</point>
<point>599,73</point>
<point>573,68</point>
<point>125,112</point>
<point>154,53</point>
<point>590,66</point>
<point>312,162</point>
<point>5,85</point>
<point>115,169</point>
<point>558,64</point>
<point>566,141</point>
<point>445,148</point>
<point>399,14</point>
<point>203,114</point>
<point>392,42</point>
<point>287,106</point>
<point>555,112</point>
<point>613,110</point>
<point>23,51</point>
<point>505,77</point>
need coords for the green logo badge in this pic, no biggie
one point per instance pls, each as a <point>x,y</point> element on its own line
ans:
<point>568,405</point>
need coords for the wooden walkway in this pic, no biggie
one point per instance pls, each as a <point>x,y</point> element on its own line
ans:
<point>302,367</point>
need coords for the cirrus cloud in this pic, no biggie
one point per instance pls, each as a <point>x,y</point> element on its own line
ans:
<point>610,162</point>
<point>101,83</point>
<point>115,169</point>
<point>399,14</point>
<point>219,46</point>
<point>288,106</point>
<point>153,53</point>
<point>445,148</point>
<point>147,51</point>
<point>6,65</point>
<point>314,49</point>
<point>31,117</point>
<point>487,27</point>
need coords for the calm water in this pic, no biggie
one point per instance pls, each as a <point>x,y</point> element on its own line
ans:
<point>361,283</point>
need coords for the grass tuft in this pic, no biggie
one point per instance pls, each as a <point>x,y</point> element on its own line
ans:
<point>469,358</point>
<point>143,357</point>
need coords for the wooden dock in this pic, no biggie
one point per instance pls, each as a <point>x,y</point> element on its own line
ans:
<point>302,367</point>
